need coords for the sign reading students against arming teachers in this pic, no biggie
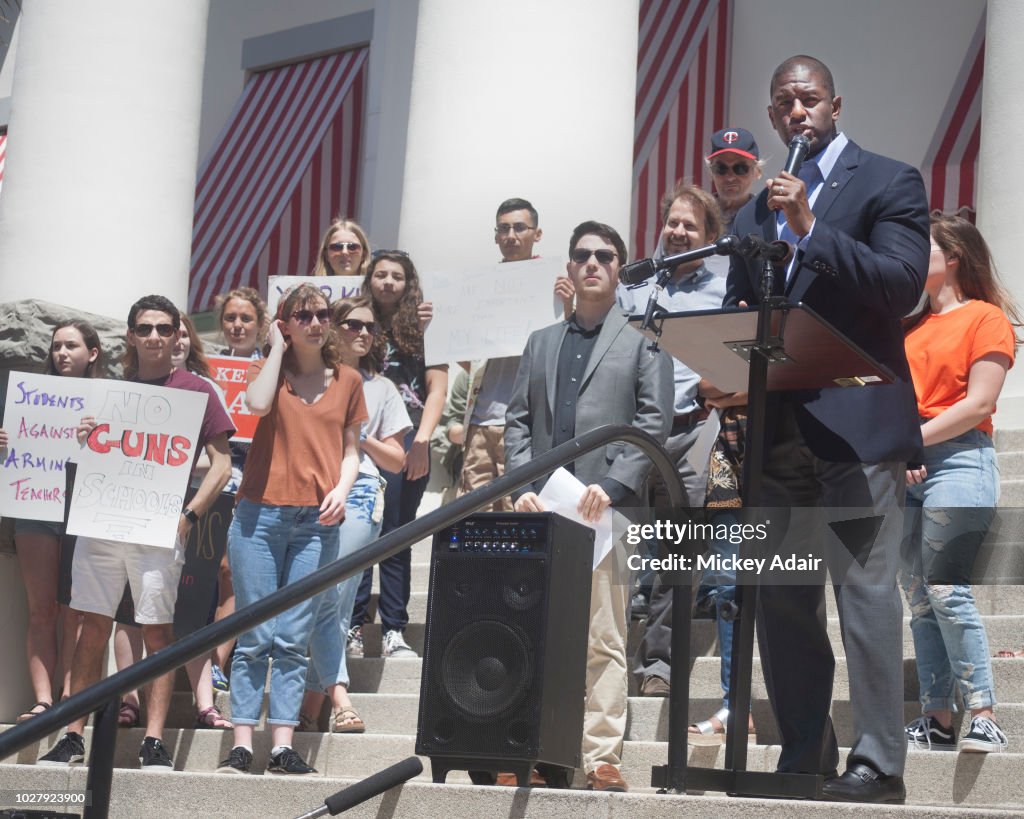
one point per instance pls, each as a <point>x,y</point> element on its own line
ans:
<point>40,418</point>
<point>134,466</point>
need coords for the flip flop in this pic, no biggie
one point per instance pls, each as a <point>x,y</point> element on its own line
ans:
<point>129,715</point>
<point>31,712</point>
<point>705,733</point>
<point>348,721</point>
<point>1005,654</point>
<point>212,718</point>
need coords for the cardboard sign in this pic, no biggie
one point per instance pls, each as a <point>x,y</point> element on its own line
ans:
<point>135,464</point>
<point>207,541</point>
<point>229,373</point>
<point>490,312</point>
<point>333,288</point>
<point>40,417</point>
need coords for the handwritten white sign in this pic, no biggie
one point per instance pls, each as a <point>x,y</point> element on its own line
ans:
<point>333,288</point>
<point>490,312</point>
<point>40,417</point>
<point>134,467</point>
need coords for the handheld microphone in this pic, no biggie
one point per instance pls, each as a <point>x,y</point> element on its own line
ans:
<point>799,145</point>
<point>640,271</point>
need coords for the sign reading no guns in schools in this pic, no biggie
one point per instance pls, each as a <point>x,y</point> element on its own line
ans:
<point>40,417</point>
<point>490,312</point>
<point>134,467</point>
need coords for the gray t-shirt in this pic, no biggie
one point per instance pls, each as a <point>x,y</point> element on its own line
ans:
<point>495,391</point>
<point>388,415</point>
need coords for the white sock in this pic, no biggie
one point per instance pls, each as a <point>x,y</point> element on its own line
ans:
<point>278,748</point>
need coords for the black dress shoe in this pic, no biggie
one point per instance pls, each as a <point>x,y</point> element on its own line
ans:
<point>862,783</point>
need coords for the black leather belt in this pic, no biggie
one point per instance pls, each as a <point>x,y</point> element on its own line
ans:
<point>688,419</point>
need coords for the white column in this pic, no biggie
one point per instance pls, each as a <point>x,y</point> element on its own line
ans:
<point>1001,182</point>
<point>534,100</point>
<point>97,200</point>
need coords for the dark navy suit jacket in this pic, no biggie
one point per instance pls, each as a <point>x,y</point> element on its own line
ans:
<point>863,269</point>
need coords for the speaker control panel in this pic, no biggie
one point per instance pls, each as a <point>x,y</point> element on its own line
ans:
<point>495,534</point>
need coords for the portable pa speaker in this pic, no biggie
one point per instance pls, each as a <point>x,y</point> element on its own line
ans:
<point>505,653</point>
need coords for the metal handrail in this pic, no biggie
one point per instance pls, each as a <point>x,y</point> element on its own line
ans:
<point>208,637</point>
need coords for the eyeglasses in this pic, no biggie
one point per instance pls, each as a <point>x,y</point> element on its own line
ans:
<point>519,227</point>
<point>581,255</point>
<point>307,316</point>
<point>146,330</point>
<point>357,326</point>
<point>378,253</point>
<point>721,169</point>
<point>351,247</point>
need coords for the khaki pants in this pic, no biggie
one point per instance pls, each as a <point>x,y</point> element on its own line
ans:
<point>483,460</point>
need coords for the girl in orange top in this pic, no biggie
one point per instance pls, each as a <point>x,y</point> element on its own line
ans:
<point>302,463</point>
<point>959,348</point>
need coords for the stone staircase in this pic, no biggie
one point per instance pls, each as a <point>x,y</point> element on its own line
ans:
<point>386,693</point>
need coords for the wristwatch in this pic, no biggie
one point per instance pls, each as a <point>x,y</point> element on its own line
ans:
<point>190,515</point>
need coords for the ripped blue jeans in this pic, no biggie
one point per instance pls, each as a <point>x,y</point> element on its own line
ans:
<point>361,525</point>
<point>947,517</point>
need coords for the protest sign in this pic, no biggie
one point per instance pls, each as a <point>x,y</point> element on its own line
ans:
<point>333,288</point>
<point>229,373</point>
<point>134,467</point>
<point>205,546</point>
<point>489,312</point>
<point>40,417</point>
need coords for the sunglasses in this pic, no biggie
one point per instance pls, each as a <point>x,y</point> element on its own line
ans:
<point>357,326</point>
<point>582,256</point>
<point>721,169</point>
<point>146,330</point>
<point>351,247</point>
<point>518,227</point>
<point>307,316</point>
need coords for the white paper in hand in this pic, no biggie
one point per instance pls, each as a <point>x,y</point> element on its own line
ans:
<point>562,494</point>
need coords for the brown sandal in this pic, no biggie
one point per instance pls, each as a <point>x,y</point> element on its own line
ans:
<point>129,715</point>
<point>1005,654</point>
<point>348,721</point>
<point>31,712</point>
<point>212,718</point>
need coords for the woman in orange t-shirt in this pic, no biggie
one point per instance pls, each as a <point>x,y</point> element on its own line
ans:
<point>301,465</point>
<point>959,348</point>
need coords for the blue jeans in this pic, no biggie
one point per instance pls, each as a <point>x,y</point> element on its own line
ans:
<point>720,587</point>
<point>947,518</point>
<point>268,548</point>
<point>327,664</point>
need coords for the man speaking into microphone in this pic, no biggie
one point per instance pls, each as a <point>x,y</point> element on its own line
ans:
<point>859,225</point>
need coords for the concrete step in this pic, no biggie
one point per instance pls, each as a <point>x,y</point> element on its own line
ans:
<point>1011,465</point>
<point>1008,440</point>
<point>163,796</point>
<point>932,778</point>
<point>1011,492</point>
<point>1001,599</point>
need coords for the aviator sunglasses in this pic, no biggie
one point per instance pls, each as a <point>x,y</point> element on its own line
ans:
<point>721,168</point>
<point>581,255</point>
<point>351,247</point>
<point>306,316</point>
<point>357,325</point>
<point>146,330</point>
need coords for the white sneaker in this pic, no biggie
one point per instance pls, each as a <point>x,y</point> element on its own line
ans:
<point>354,646</point>
<point>985,737</point>
<point>395,645</point>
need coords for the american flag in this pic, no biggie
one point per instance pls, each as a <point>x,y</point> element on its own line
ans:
<point>3,157</point>
<point>285,164</point>
<point>681,99</point>
<point>951,163</point>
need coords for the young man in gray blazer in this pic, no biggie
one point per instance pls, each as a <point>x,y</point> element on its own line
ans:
<point>589,370</point>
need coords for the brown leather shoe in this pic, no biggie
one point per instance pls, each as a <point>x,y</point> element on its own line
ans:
<point>655,686</point>
<point>606,778</point>
<point>509,780</point>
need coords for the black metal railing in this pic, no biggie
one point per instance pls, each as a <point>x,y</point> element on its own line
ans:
<point>104,695</point>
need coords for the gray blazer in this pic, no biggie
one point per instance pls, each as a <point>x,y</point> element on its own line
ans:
<point>623,383</point>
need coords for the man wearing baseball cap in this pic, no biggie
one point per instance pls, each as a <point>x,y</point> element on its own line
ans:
<point>735,164</point>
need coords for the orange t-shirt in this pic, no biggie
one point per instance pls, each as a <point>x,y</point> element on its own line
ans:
<point>295,455</point>
<point>942,347</point>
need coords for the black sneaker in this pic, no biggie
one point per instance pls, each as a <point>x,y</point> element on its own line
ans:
<point>985,737</point>
<point>289,762</point>
<point>69,750</point>
<point>153,756</point>
<point>925,734</point>
<point>238,762</point>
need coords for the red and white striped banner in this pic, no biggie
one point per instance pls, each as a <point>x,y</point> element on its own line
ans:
<point>3,157</point>
<point>286,163</point>
<point>681,99</point>
<point>951,164</point>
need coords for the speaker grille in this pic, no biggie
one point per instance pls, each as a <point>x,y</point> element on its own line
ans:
<point>487,669</point>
